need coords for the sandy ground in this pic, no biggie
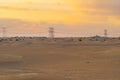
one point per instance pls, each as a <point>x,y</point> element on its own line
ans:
<point>60,60</point>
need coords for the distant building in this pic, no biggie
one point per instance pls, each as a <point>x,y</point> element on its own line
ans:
<point>97,37</point>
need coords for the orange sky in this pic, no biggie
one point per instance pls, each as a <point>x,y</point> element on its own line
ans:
<point>68,12</point>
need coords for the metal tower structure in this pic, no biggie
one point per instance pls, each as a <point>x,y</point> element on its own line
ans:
<point>105,33</point>
<point>4,31</point>
<point>51,32</point>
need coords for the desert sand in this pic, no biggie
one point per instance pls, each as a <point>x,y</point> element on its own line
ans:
<point>59,59</point>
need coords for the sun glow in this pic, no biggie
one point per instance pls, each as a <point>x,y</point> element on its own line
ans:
<point>55,11</point>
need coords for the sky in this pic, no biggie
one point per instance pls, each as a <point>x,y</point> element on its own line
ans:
<point>68,17</point>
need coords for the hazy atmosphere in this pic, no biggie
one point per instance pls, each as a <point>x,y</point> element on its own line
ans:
<point>59,39</point>
<point>68,17</point>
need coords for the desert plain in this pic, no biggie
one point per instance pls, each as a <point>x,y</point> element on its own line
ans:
<point>59,59</point>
